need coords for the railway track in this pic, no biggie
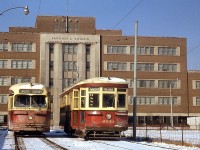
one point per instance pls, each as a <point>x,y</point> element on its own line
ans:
<point>53,144</point>
<point>19,143</point>
<point>59,142</point>
<point>22,142</point>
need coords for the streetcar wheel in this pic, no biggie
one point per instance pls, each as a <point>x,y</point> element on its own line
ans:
<point>86,136</point>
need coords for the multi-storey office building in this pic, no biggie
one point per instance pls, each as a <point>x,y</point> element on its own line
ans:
<point>19,62</point>
<point>60,51</point>
<point>161,63</point>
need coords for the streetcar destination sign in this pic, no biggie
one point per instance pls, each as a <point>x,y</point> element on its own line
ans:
<point>30,91</point>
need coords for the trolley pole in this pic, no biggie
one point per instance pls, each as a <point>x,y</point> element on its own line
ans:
<point>135,84</point>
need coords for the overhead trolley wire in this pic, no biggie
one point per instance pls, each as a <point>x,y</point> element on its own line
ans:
<point>128,13</point>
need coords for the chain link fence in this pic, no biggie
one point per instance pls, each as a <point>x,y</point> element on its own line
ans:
<point>172,135</point>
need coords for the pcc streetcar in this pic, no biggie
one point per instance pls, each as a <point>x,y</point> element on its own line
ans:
<point>29,108</point>
<point>97,106</point>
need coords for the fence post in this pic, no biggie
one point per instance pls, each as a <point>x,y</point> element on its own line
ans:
<point>146,130</point>
<point>160,133</point>
<point>182,127</point>
<point>182,136</point>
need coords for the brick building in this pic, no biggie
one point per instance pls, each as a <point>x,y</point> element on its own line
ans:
<point>60,51</point>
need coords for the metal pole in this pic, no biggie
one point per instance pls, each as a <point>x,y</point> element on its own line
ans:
<point>67,18</point>
<point>135,84</point>
<point>26,10</point>
<point>172,123</point>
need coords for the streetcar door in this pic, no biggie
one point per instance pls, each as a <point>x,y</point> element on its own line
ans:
<point>82,117</point>
<point>76,107</point>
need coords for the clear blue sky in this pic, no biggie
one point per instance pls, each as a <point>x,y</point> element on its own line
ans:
<point>171,18</point>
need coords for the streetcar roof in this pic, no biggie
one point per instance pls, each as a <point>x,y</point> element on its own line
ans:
<point>27,85</point>
<point>104,80</point>
<point>111,80</point>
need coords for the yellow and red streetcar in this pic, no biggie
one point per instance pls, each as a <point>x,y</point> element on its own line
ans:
<point>96,106</point>
<point>29,108</point>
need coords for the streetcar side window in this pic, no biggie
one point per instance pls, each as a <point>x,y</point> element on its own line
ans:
<point>108,100</point>
<point>121,102</point>
<point>22,101</point>
<point>76,98</point>
<point>83,98</point>
<point>93,100</point>
<point>38,101</point>
<point>82,102</point>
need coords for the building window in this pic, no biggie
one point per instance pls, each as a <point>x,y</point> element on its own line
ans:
<point>143,66</point>
<point>167,51</point>
<point>88,47</point>
<point>51,65</point>
<point>56,25</point>
<point>3,46</point>
<point>63,25</point>
<point>69,48</point>
<point>167,67</point>
<point>3,99</point>
<point>70,26</point>
<point>87,66</point>
<point>51,47</point>
<point>22,64</point>
<point>51,82</point>
<point>166,84</point>
<point>198,101</point>
<point>142,50</point>
<point>19,80</point>
<point>116,50</point>
<point>197,84</point>
<point>3,81</point>
<point>145,100</point>
<point>3,63</point>
<point>167,101</point>
<point>145,83</point>
<point>70,65</point>
<point>22,47</point>
<point>76,26</point>
<point>68,82</point>
<point>116,66</point>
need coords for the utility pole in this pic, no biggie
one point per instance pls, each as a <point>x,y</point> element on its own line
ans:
<point>135,84</point>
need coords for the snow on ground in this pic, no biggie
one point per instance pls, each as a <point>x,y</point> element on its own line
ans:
<point>187,136</point>
<point>58,136</point>
<point>6,140</point>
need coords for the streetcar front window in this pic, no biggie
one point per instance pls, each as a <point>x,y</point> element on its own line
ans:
<point>108,100</point>
<point>38,101</point>
<point>121,102</point>
<point>22,101</point>
<point>93,100</point>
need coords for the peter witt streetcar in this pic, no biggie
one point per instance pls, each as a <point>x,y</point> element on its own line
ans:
<point>96,106</point>
<point>28,108</point>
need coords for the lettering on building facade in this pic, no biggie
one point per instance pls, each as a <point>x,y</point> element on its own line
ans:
<point>70,40</point>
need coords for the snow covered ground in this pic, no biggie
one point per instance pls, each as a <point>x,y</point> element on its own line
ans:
<point>58,136</point>
<point>187,136</point>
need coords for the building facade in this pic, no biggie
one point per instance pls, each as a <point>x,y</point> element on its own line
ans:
<point>60,51</point>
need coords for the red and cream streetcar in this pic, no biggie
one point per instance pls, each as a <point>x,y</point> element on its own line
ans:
<point>28,108</point>
<point>95,106</point>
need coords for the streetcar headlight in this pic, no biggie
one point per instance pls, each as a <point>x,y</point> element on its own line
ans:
<point>30,117</point>
<point>108,116</point>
